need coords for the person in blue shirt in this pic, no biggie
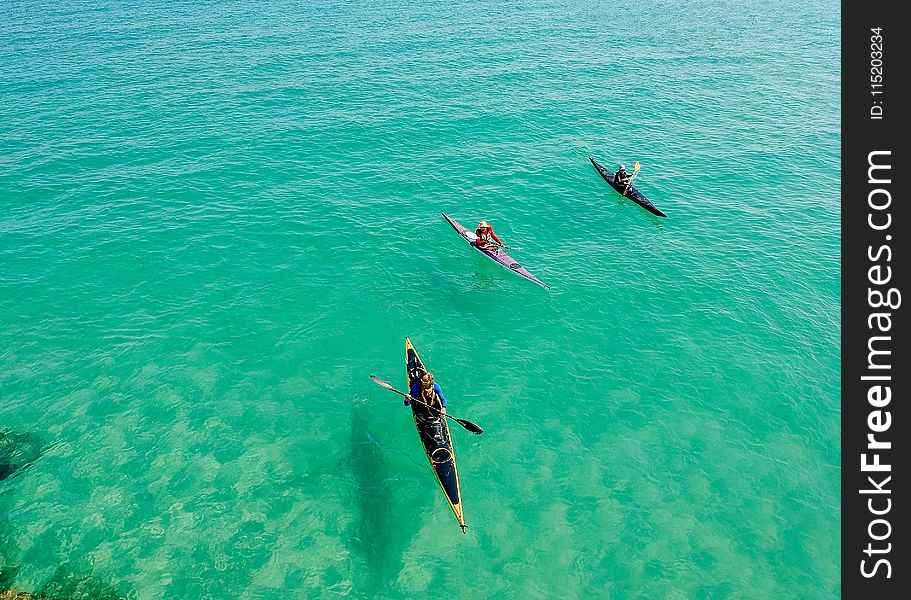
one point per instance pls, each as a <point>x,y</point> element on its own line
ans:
<point>427,392</point>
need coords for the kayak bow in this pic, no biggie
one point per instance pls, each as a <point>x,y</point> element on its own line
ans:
<point>498,255</point>
<point>434,433</point>
<point>632,193</point>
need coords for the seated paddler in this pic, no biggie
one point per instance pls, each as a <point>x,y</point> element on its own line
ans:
<point>485,235</point>
<point>428,392</point>
<point>622,177</point>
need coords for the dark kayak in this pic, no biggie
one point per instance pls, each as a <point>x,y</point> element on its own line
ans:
<point>496,254</point>
<point>632,193</point>
<point>434,433</point>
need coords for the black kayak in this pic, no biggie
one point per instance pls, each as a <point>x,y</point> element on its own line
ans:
<point>434,433</point>
<point>632,193</point>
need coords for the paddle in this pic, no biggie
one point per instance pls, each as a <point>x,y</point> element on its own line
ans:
<point>508,247</point>
<point>472,427</point>
<point>630,182</point>
<point>496,243</point>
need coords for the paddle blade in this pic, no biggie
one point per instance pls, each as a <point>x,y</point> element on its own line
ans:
<point>382,383</point>
<point>472,427</point>
<point>637,166</point>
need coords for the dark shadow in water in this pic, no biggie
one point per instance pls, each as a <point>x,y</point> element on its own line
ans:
<point>386,513</point>
<point>18,451</point>
<point>371,534</point>
<point>7,574</point>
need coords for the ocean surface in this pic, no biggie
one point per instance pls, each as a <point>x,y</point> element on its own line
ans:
<point>218,218</point>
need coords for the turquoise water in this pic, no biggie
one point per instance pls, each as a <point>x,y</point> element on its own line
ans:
<point>218,218</point>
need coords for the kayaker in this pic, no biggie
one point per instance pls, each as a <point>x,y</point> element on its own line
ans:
<point>428,392</point>
<point>485,235</point>
<point>622,177</point>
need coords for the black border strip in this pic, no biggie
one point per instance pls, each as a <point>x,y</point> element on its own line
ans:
<point>874,262</point>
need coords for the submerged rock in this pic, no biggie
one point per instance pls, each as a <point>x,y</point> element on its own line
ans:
<point>14,595</point>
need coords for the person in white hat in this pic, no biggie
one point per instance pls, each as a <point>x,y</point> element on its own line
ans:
<point>485,235</point>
